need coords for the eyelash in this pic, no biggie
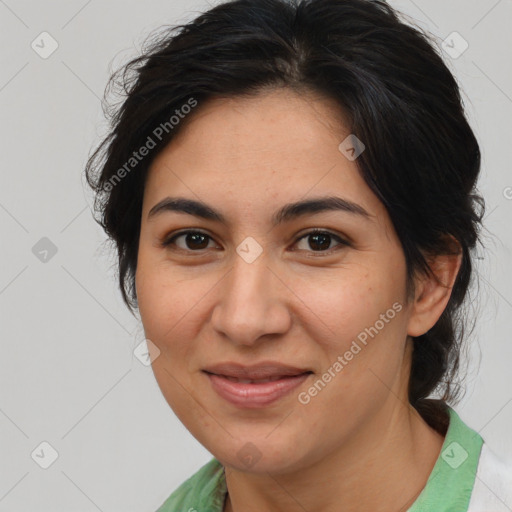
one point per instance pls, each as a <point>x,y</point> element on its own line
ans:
<point>343,243</point>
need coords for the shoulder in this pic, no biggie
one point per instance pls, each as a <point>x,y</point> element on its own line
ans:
<point>204,490</point>
<point>493,484</point>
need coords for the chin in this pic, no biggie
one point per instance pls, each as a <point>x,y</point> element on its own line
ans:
<point>259,454</point>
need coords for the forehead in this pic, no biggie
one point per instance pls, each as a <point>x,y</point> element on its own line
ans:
<point>275,147</point>
<point>273,122</point>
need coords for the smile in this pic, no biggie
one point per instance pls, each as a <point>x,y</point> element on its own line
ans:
<point>255,393</point>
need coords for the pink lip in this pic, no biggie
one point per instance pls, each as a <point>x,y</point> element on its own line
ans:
<point>223,378</point>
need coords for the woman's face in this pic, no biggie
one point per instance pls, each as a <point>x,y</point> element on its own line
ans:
<point>325,320</point>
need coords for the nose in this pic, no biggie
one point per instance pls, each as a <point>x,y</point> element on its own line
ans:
<point>252,305</point>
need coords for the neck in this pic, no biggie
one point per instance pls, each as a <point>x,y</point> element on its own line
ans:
<point>367,475</point>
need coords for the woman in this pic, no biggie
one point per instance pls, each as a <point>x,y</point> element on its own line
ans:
<point>291,189</point>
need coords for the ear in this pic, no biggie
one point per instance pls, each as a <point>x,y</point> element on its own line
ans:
<point>431,294</point>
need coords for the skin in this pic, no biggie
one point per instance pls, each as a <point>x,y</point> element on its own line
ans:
<point>295,303</point>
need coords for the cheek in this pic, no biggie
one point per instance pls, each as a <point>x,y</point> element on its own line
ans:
<point>171,307</point>
<point>165,306</point>
<point>354,301</point>
<point>366,319</point>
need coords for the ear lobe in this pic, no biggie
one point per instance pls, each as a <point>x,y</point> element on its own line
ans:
<point>433,292</point>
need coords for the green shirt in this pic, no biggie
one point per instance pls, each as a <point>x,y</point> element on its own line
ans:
<point>448,489</point>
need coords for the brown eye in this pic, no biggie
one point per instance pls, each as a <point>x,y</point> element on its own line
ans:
<point>320,241</point>
<point>195,241</point>
<point>192,241</point>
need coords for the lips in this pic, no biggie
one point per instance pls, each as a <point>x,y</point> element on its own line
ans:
<point>253,381</point>
<point>257,372</point>
<point>257,385</point>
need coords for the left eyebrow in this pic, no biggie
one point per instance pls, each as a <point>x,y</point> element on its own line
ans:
<point>287,213</point>
<point>317,205</point>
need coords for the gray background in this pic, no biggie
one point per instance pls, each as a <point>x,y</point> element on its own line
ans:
<point>68,375</point>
